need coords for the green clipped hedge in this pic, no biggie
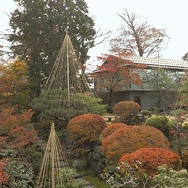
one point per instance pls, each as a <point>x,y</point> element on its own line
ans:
<point>159,122</point>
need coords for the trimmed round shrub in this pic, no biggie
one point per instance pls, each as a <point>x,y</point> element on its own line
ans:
<point>149,159</point>
<point>159,122</point>
<point>84,130</point>
<point>128,139</point>
<point>111,128</point>
<point>126,111</point>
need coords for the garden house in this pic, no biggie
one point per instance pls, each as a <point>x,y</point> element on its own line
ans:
<point>157,77</point>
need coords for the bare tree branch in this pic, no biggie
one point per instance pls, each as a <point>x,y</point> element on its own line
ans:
<point>138,37</point>
<point>105,36</point>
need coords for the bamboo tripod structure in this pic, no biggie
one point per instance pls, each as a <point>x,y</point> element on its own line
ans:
<point>66,74</point>
<point>50,175</point>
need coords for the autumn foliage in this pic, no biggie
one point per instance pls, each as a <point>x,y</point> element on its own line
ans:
<point>3,176</point>
<point>149,159</point>
<point>16,130</point>
<point>117,65</point>
<point>14,82</point>
<point>84,130</point>
<point>126,111</point>
<point>117,72</point>
<point>128,139</point>
<point>111,128</point>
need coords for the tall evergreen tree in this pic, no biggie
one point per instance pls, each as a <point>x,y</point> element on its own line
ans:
<point>39,29</point>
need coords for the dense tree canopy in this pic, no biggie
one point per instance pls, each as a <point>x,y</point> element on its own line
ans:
<point>39,28</point>
<point>138,37</point>
<point>131,138</point>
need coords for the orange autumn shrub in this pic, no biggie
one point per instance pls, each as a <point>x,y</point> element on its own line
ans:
<point>126,111</point>
<point>84,130</point>
<point>111,128</point>
<point>131,138</point>
<point>149,159</point>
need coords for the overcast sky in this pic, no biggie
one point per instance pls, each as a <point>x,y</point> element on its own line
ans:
<point>171,15</point>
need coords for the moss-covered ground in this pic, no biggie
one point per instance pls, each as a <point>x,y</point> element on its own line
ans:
<point>94,180</point>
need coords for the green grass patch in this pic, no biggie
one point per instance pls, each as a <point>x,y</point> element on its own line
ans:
<point>95,181</point>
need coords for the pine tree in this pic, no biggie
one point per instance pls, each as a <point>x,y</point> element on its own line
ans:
<point>39,29</point>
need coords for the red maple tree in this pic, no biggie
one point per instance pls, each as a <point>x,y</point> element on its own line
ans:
<point>16,129</point>
<point>117,72</point>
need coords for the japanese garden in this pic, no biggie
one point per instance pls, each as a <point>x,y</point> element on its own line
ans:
<point>130,130</point>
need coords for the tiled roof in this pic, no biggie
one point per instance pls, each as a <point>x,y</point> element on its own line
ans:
<point>158,62</point>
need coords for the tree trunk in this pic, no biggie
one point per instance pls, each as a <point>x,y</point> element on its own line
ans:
<point>110,97</point>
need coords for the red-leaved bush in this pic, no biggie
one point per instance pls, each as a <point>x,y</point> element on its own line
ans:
<point>111,128</point>
<point>128,139</point>
<point>84,130</point>
<point>149,159</point>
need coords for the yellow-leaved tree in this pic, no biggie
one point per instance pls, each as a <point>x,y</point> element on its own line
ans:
<point>14,84</point>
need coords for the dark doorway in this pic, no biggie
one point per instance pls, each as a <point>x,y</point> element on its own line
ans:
<point>137,100</point>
